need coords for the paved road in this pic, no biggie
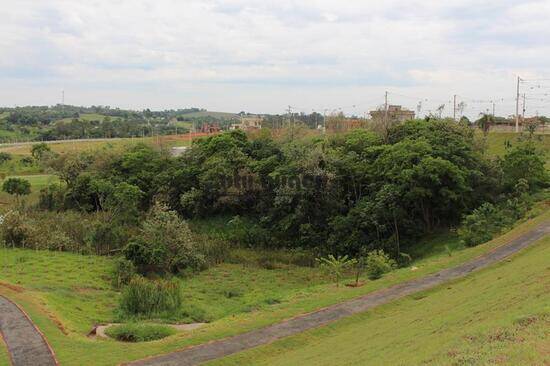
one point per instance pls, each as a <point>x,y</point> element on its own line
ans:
<point>25,343</point>
<point>217,349</point>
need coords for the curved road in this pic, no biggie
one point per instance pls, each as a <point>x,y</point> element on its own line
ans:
<point>209,351</point>
<point>25,343</point>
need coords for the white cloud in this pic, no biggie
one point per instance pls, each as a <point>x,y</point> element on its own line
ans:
<point>264,55</point>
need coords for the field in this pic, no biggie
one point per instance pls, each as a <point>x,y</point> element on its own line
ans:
<point>66,294</point>
<point>498,316</point>
<point>37,183</point>
<point>85,117</point>
<point>63,147</point>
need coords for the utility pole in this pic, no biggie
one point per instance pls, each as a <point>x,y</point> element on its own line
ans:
<point>290,122</point>
<point>493,109</point>
<point>454,107</point>
<point>386,108</point>
<point>523,112</point>
<point>517,106</point>
<point>62,97</point>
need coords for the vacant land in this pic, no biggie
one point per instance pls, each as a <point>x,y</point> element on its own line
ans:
<point>37,181</point>
<point>498,316</point>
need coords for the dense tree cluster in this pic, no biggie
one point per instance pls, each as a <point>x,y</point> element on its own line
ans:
<point>343,194</point>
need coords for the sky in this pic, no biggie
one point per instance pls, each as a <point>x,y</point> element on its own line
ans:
<point>264,56</point>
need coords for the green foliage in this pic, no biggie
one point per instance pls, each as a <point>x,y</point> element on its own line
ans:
<point>52,197</point>
<point>378,263</point>
<point>123,272</point>
<point>164,244</point>
<point>17,186</point>
<point>525,161</point>
<point>487,220</point>
<point>336,266</point>
<point>4,157</point>
<point>134,332</point>
<point>40,151</point>
<point>143,298</point>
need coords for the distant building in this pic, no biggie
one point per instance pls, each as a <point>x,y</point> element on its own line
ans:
<point>396,113</point>
<point>247,123</point>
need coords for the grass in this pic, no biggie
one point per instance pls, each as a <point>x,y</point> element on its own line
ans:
<point>66,293</point>
<point>88,117</point>
<point>497,142</point>
<point>498,316</point>
<point>75,290</point>
<point>139,332</point>
<point>63,147</point>
<point>37,183</point>
<point>4,357</point>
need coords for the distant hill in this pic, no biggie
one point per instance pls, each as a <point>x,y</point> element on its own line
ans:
<point>221,115</point>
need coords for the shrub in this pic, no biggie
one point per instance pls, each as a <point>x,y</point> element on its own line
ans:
<point>378,263</point>
<point>147,298</point>
<point>15,229</point>
<point>164,244</point>
<point>336,266</point>
<point>488,219</point>
<point>123,272</point>
<point>4,157</point>
<point>52,197</point>
<point>139,332</point>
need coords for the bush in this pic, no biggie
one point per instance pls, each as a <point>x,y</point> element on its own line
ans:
<point>139,332</point>
<point>4,157</point>
<point>123,272</point>
<point>15,229</point>
<point>52,197</point>
<point>147,298</point>
<point>378,263</point>
<point>488,219</point>
<point>164,244</point>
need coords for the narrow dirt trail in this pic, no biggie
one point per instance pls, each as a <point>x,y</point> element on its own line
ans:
<point>25,343</point>
<point>209,351</point>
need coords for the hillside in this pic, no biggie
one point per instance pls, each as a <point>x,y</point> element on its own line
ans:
<point>498,316</point>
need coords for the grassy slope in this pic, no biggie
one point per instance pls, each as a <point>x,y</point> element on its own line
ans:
<point>4,358</point>
<point>59,301</point>
<point>498,316</point>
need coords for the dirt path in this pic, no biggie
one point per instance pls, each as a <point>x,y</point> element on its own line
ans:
<point>25,343</point>
<point>198,354</point>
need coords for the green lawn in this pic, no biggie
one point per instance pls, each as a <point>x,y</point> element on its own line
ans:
<point>37,183</point>
<point>498,316</point>
<point>66,294</point>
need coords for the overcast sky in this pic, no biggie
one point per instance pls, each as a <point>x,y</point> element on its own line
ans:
<point>261,56</point>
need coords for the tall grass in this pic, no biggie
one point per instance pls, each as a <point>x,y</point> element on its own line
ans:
<point>147,298</point>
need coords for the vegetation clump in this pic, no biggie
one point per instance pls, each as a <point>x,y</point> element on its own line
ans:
<point>143,298</point>
<point>377,263</point>
<point>139,332</point>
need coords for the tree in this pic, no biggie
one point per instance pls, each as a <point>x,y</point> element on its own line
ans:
<point>39,151</point>
<point>336,265</point>
<point>4,157</point>
<point>17,187</point>
<point>378,263</point>
<point>164,244</point>
<point>485,122</point>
